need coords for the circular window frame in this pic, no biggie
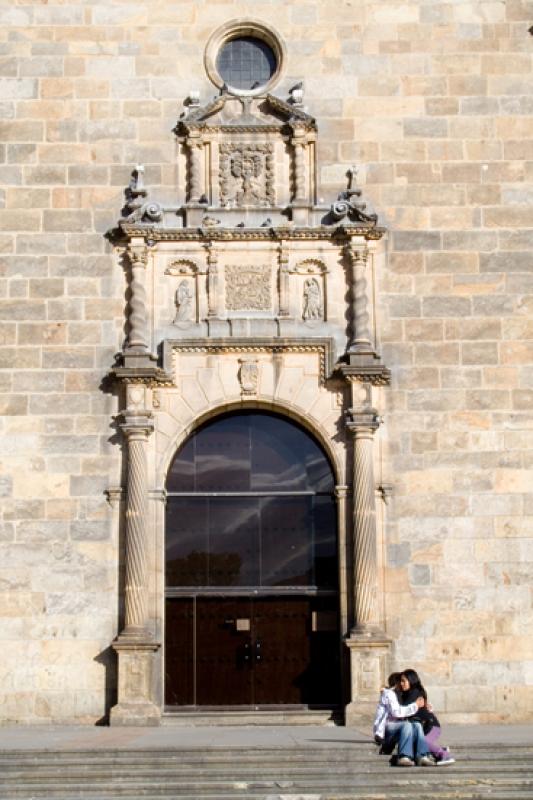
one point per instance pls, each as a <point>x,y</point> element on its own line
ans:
<point>234,30</point>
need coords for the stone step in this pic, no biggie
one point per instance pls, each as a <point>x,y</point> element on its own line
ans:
<point>35,771</point>
<point>254,718</point>
<point>333,772</point>
<point>244,791</point>
<point>211,755</point>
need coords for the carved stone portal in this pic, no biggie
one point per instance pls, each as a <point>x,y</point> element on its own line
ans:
<point>248,288</point>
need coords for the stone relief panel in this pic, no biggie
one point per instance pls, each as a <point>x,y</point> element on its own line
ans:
<point>246,174</point>
<point>248,288</point>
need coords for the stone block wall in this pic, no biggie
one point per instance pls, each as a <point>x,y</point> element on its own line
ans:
<point>433,101</point>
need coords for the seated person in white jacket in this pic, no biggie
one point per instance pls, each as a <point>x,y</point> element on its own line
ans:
<point>388,712</point>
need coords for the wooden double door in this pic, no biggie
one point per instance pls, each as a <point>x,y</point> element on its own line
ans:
<point>252,651</point>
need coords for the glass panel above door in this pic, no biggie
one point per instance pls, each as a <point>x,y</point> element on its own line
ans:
<point>250,504</point>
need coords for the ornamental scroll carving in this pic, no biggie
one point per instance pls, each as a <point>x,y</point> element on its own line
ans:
<point>248,288</point>
<point>246,175</point>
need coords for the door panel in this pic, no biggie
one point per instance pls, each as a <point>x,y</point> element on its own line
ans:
<point>179,651</point>
<point>223,644</point>
<point>252,651</point>
<point>281,639</point>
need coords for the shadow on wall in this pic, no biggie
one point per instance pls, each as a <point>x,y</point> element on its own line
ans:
<point>108,659</point>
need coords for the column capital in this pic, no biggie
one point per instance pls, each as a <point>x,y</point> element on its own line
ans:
<point>137,251</point>
<point>158,494</point>
<point>358,252</point>
<point>341,492</point>
<point>362,422</point>
<point>137,425</point>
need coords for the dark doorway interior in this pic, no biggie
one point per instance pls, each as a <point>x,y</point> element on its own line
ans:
<point>251,568</point>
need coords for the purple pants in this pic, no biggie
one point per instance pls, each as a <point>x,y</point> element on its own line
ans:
<point>431,741</point>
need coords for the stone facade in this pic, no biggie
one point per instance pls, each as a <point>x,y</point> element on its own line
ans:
<point>432,102</point>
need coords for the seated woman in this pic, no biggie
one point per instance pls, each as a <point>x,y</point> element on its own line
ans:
<point>412,691</point>
<point>390,730</point>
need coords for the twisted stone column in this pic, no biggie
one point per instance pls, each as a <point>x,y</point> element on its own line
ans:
<point>136,430</point>
<point>138,317</point>
<point>366,613</point>
<point>195,170</point>
<point>360,340</point>
<point>299,172</point>
<point>135,646</point>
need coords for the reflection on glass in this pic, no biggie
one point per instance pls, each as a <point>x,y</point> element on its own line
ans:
<point>233,541</point>
<point>251,539</point>
<point>286,541</point>
<point>250,451</point>
<point>186,541</point>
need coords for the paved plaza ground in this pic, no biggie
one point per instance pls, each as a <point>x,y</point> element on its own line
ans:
<point>65,737</point>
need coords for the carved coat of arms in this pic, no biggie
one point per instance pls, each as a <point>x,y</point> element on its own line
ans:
<point>246,175</point>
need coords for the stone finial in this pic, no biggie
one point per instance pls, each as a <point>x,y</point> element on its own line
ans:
<point>348,204</point>
<point>138,208</point>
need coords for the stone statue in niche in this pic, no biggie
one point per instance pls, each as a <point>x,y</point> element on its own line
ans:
<point>312,300</point>
<point>183,300</point>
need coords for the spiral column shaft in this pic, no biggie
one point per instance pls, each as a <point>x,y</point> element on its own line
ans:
<point>136,561</point>
<point>195,172</point>
<point>138,337</point>
<point>364,523</point>
<point>360,341</point>
<point>299,172</point>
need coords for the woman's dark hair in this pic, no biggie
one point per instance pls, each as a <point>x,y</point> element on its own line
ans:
<point>414,681</point>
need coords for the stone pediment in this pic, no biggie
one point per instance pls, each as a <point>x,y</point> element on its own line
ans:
<point>228,113</point>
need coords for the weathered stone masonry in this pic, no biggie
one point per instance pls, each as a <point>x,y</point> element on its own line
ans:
<point>431,102</point>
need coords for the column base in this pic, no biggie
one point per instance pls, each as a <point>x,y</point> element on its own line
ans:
<point>135,715</point>
<point>369,652</point>
<point>135,683</point>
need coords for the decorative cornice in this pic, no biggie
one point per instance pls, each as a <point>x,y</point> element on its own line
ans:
<point>323,346</point>
<point>148,376</point>
<point>378,374</point>
<point>320,232</point>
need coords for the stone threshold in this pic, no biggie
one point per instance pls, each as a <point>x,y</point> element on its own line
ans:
<point>252,716</point>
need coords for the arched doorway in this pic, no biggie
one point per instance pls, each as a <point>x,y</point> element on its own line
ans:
<point>251,567</point>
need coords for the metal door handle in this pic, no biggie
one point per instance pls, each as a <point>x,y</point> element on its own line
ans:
<point>247,652</point>
<point>258,654</point>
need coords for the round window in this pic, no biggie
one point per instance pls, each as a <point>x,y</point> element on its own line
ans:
<point>246,63</point>
<point>245,57</point>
